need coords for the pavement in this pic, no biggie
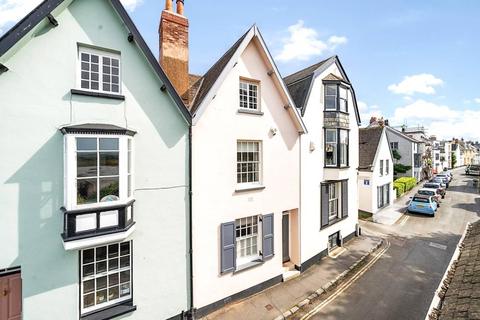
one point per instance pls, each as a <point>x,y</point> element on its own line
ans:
<point>273,302</point>
<point>401,284</point>
<point>393,212</point>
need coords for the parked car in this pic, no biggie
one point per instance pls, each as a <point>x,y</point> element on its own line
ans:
<point>423,204</point>
<point>437,186</point>
<point>442,180</point>
<point>435,193</point>
<point>446,175</point>
<point>473,170</point>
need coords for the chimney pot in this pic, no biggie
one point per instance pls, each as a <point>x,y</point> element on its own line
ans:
<point>168,5</point>
<point>180,4</point>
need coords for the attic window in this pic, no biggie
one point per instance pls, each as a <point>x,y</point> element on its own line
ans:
<point>249,94</point>
<point>336,97</point>
<point>99,71</point>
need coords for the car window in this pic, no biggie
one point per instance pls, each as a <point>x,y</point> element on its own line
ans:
<point>426,192</point>
<point>422,200</point>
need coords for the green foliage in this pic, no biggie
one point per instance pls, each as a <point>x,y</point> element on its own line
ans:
<point>408,183</point>
<point>396,154</point>
<point>399,188</point>
<point>454,160</point>
<point>400,168</point>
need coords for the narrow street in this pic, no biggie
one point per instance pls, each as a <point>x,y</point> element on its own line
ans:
<point>401,283</point>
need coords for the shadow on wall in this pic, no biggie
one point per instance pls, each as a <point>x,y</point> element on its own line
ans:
<point>40,222</point>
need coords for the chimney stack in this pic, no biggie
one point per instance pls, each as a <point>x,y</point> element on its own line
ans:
<point>173,35</point>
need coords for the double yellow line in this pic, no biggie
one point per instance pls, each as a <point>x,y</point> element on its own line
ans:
<point>347,284</point>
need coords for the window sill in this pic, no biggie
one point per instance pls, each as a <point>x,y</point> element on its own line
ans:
<point>336,167</point>
<point>111,312</point>
<point>249,188</point>
<point>332,222</point>
<point>248,111</point>
<point>97,94</point>
<point>248,265</point>
<point>337,111</point>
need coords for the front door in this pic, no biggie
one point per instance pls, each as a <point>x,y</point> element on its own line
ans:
<point>333,241</point>
<point>286,237</point>
<point>11,296</point>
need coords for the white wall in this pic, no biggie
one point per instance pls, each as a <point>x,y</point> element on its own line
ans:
<point>215,200</point>
<point>313,239</point>
<point>368,194</point>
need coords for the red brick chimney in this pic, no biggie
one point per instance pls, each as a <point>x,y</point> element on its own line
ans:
<point>173,32</point>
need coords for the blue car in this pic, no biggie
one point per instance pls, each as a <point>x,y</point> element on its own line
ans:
<point>422,204</point>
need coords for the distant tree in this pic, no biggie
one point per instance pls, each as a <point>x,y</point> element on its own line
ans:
<point>400,168</point>
<point>454,160</point>
<point>396,154</point>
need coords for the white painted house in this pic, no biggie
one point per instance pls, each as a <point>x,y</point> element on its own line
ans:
<point>329,158</point>
<point>375,177</point>
<point>94,177</point>
<point>408,148</point>
<point>245,169</point>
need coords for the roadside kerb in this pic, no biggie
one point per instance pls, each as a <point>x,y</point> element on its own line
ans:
<point>330,285</point>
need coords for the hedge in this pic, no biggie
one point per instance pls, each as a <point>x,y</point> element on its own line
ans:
<point>399,187</point>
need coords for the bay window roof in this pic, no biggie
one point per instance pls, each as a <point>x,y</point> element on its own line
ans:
<point>97,128</point>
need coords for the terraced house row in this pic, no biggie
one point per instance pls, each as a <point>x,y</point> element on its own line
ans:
<point>132,188</point>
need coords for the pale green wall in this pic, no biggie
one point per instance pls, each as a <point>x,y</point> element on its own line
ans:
<point>35,102</point>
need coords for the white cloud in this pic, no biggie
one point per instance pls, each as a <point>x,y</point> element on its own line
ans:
<point>440,120</point>
<point>419,83</point>
<point>477,100</point>
<point>11,11</point>
<point>366,112</point>
<point>304,43</point>
<point>131,5</point>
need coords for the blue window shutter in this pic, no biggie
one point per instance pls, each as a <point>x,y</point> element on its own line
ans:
<point>345,198</point>
<point>267,233</point>
<point>323,205</point>
<point>228,247</point>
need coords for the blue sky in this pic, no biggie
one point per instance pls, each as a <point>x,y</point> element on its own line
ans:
<point>433,43</point>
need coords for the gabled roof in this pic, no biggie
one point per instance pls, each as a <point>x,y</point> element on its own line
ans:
<point>44,9</point>
<point>369,141</point>
<point>300,83</point>
<point>218,72</point>
<point>401,134</point>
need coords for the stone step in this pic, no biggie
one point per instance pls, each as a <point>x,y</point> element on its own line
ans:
<point>289,275</point>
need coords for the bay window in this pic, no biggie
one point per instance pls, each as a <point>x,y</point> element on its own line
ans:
<point>336,148</point>
<point>336,97</point>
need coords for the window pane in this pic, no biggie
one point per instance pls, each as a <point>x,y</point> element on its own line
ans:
<point>343,105</point>
<point>88,300</point>
<point>109,189</point>
<point>85,57</point>
<point>124,261</point>
<point>113,279</point>
<point>86,191</point>
<point>124,276</point>
<point>113,264</point>
<point>101,282</point>
<point>101,296</point>
<point>331,154</point>
<point>113,293</point>
<point>343,93</point>
<point>88,286</point>
<point>88,270</point>
<point>101,253</point>
<point>125,289</point>
<point>86,144</point>
<point>110,144</point>
<point>94,85</point>
<point>331,136</point>
<point>113,250</point>
<point>108,163</point>
<point>330,102</point>
<point>94,58</point>
<point>88,256</point>
<point>125,248</point>
<point>86,164</point>
<point>331,89</point>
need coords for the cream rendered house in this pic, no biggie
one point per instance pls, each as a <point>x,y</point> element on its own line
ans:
<point>329,158</point>
<point>375,177</point>
<point>245,166</point>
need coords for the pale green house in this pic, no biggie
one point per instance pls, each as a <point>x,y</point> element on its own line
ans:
<point>94,170</point>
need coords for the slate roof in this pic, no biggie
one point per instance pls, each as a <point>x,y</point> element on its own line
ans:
<point>368,140</point>
<point>401,134</point>
<point>31,20</point>
<point>462,298</point>
<point>211,76</point>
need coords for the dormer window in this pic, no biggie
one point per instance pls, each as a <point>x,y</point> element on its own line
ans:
<point>336,97</point>
<point>99,70</point>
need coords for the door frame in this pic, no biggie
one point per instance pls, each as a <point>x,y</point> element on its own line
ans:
<point>286,217</point>
<point>4,274</point>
